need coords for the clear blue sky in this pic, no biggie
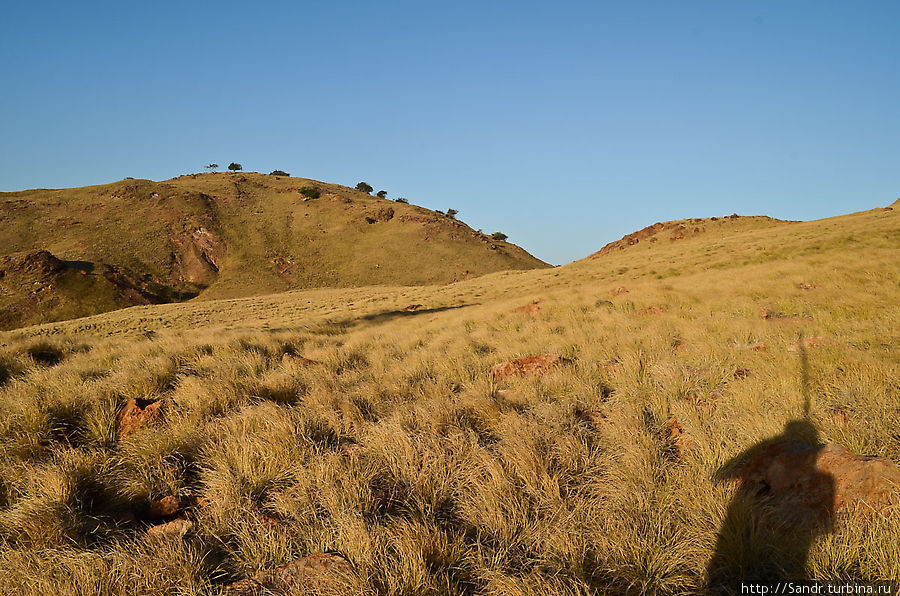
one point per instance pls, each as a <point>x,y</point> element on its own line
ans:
<point>563,124</point>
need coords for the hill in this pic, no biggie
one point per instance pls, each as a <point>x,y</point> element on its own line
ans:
<point>189,446</point>
<point>233,235</point>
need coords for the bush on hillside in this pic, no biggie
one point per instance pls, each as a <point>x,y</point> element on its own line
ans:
<point>235,167</point>
<point>381,194</point>
<point>278,173</point>
<point>451,213</point>
<point>402,200</point>
<point>370,219</point>
<point>499,236</point>
<point>310,192</point>
<point>364,187</point>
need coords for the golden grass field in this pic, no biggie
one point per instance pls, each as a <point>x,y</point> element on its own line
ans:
<point>400,452</point>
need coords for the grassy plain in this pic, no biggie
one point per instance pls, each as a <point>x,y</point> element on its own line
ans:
<point>401,453</point>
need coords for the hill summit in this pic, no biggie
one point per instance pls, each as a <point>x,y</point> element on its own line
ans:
<point>222,235</point>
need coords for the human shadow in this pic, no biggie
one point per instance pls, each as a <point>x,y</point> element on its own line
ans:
<point>782,503</point>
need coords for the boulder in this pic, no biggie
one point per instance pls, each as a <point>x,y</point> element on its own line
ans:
<point>529,309</point>
<point>176,528</point>
<point>807,483</point>
<point>164,507</point>
<point>138,413</point>
<point>307,573</point>
<point>678,440</point>
<point>536,365</point>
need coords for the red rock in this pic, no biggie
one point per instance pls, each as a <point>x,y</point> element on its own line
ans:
<point>164,507</point>
<point>308,573</point>
<point>678,440</point>
<point>530,309</point>
<point>412,308</point>
<point>176,528</point>
<point>536,365</point>
<point>806,286</point>
<point>741,373</point>
<point>651,310</point>
<point>592,417</point>
<point>619,291</point>
<point>840,416</point>
<point>809,483</point>
<point>138,413</point>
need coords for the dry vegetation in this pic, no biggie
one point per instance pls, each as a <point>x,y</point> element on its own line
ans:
<point>398,450</point>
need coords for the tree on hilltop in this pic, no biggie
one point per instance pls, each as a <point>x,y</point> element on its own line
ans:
<point>235,167</point>
<point>212,167</point>
<point>364,187</point>
<point>381,194</point>
<point>451,213</point>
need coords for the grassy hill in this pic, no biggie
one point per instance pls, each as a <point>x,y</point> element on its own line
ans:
<point>231,235</point>
<point>396,447</point>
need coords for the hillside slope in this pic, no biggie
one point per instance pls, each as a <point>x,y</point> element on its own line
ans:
<point>230,235</point>
<point>367,422</point>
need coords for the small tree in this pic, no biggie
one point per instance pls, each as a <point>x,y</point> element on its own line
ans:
<point>364,187</point>
<point>235,167</point>
<point>402,200</point>
<point>451,213</point>
<point>310,193</point>
<point>381,194</point>
<point>499,236</point>
<point>279,173</point>
<point>212,167</point>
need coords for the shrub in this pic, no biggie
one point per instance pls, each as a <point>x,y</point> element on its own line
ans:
<point>278,173</point>
<point>370,219</point>
<point>402,200</point>
<point>310,192</point>
<point>381,194</point>
<point>364,187</point>
<point>451,213</point>
<point>499,236</point>
<point>235,167</point>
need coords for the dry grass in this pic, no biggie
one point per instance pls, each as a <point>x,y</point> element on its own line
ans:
<point>399,452</point>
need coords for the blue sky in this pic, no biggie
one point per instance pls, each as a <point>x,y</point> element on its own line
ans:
<point>563,124</point>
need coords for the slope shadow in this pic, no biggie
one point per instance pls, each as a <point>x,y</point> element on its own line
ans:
<point>389,315</point>
<point>782,504</point>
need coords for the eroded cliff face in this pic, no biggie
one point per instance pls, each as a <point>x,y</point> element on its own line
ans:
<point>196,256</point>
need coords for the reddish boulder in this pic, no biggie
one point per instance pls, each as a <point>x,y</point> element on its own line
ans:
<point>176,528</point>
<point>678,440</point>
<point>651,310</point>
<point>529,309</point>
<point>619,291</point>
<point>308,573</point>
<point>138,413</point>
<point>527,366</point>
<point>809,483</point>
<point>164,507</point>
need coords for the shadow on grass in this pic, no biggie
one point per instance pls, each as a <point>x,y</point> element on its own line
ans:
<point>782,504</point>
<point>342,326</point>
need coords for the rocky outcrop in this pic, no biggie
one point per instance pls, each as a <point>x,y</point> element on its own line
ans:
<point>529,366</point>
<point>806,483</point>
<point>137,414</point>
